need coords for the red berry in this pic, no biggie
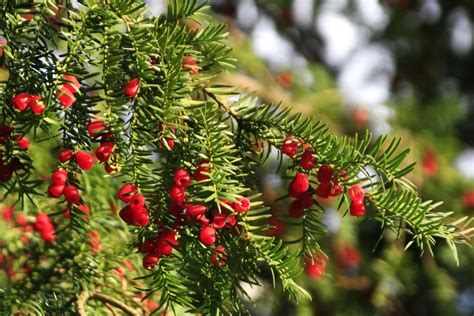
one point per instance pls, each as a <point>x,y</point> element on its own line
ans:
<point>306,199</point>
<point>219,256</point>
<point>356,193</point>
<point>65,155</point>
<point>292,193</point>
<point>48,236</point>
<point>315,270</point>
<point>325,174</point>
<point>126,192</point>
<point>218,220</point>
<point>23,142</point>
<point>36,105</point>
<point>191,65</point>
<point>150,261</point>
<point>145,246</point>
<point>182,178</point>
<point>202,219</point>
<point>307,159</point>
<point>110,168</point>
<point>66,97</point>
<point>140,217</point>
<point>73,84</point>
<point>85,161</point>
<point>132,87</point>
<point>207,235</point>
<point>104,151</point>
<point>71,194</point>
<point>296,209</point>
<point>126,214</point>
<point>324,189</point>
<point>231,221</point>
<point>137,201</point>
<point>95,128</point>
<point>195,210</point>
<point>338,189</point>
<point>357,208</point>
<point>165,242</point>
<point>177,194</point>
<point>21,101</point>
<point>59,177</point>
<point>21,220</point>
<point>55,190</point>
<point>301,183</point>
<point>290,146</point>
<point>242,205</point>
<point>199,172</point>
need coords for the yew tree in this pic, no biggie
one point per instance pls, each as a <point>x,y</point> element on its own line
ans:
<point>116,139</point>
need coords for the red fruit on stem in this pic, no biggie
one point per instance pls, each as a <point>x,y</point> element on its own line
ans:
<point>21,220</point>
<point>36,105</point>
<point>242,205</point>
<point>126,214</point>
<point>301,183</point>
<point>290,146</point>
<point>307,159</point>
<point>95,128</point>
<point>356,193</point>
<point>231,220</point>
<point>150,261</point>
<point>182,178</point>
<point>177,194</point>
<point>357,208</point>
<point>202,219</point>
<point>140,217</point>
<point>218,220</point>
<point>59,177</point>
<point>65,155</point>
<point>104,151</point>
<point>292,193</point>
<point>56,190</point>
<point>23,142</point>
<point>306,199</point>
<point>71,194</point>
<point>126,192</point>
<point>207,235</point>
<point>73,84</point>
<point>145,246</point>
<point>195,210</point>
<point>110,168</point>
<point>324,189</point>
<point>66,97</point>
<point>199,172</point>
<point>191,65</point>
<point>325,174</point>
<point>296,209</point>
<point>132,87</point>
<point>84,160</point>
<point>21,101</point>
<point>137,201</point>
<point>315,270</point>
<point>338,189</point>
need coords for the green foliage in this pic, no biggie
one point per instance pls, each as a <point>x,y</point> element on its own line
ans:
<point>108,43</point>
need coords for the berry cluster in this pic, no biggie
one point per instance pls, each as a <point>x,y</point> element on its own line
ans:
<point>134,213</point>
<point>356,194</point>
<point>97,130</point>
<point>300,187</point>
<point>45,227</point>
<point>184,212</point>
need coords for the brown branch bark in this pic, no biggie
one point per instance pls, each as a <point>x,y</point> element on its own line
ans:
<point>107,300</point>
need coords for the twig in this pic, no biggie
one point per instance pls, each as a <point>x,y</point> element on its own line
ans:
<point>84,296</point>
